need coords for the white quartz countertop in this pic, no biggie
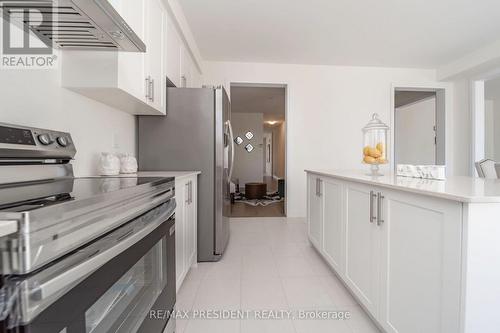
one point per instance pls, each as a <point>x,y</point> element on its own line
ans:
<point>175,174</point>
<point>463,189</point>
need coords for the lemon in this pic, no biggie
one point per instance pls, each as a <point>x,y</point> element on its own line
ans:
<point>380,146</point>
<point>374,152</point>
<point>366,150</point>
<point>369,160</point>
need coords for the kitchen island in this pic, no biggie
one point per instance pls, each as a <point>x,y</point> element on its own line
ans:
<point>419,255</point>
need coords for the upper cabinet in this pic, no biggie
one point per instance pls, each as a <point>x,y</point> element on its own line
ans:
<point>181,69</point>
<point>154,64</point>
<point>173,50</point>
<point>134,82</point>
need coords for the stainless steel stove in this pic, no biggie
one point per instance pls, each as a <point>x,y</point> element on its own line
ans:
<point>113,237</point>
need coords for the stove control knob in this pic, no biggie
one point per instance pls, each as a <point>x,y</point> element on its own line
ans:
<point>45,139</point>
<point>62,141</point>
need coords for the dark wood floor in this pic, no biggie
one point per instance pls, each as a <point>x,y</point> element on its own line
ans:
<point>240,209</point>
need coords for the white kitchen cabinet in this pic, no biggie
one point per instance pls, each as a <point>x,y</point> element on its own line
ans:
<point>186,226</point>
<point>130,64</point>
<point>154,64</point>
<point>399,253</point>
<point>333,223</point>
<point>315,211</point>
<point>420,263</point>
<point>186,72</point>
<point>129,81</point>
<point>190,76</point>
<point>173,52</point>
<point>362,246</point>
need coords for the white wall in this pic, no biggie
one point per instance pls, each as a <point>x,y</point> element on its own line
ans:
<point>461,124</point>
<point>279,144</point>
<point>414,141</point>
<point>35,98</point>
<point>489,129</point>
<point>327,107</point>
<point>492,129</point>
<point>248,167</point>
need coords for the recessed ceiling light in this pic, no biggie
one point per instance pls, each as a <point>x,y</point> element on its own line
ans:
<point>272,122</point>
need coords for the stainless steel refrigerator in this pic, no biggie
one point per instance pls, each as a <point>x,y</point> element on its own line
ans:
<point>196,135</point>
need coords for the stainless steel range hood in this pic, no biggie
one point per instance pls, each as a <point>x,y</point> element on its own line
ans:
<point>75,24</point>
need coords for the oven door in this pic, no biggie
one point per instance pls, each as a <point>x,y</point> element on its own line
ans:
<point>109,286</point>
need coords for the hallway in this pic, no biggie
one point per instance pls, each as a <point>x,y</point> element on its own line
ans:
<point>269,264</point>
<point>277,209</point>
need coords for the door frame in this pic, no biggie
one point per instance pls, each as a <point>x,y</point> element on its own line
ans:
<point>477,117</point>
<point>268,137</point>
<point>287,101</point>
<point>443,110</point>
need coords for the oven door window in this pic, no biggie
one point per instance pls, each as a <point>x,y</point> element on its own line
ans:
<point>123,307</point>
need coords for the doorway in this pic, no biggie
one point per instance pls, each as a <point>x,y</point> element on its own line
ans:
<point>486,119</point>
<point>258,115</point>
<point>419,126</point>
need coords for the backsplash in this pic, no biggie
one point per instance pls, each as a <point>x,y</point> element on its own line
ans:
<point>35,98</point>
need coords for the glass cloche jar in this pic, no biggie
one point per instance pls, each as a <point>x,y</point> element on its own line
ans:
<point>375,144</point>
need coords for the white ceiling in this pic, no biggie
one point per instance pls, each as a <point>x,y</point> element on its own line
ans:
<point>266,100</point>
<point>393,33</point>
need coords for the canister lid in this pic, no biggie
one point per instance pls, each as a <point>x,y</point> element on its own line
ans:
<point>375,123</point>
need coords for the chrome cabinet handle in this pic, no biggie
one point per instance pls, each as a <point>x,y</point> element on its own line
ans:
<point>190,192</point>
<point>380,220</point>
<point>187,192</point>
<point>318,187</point>
<point>189,186</point>
<point>152,90</point>
<point>372,215</point>
<point>147,87</point>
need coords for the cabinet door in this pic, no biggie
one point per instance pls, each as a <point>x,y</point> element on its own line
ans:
<point>180,232</point>
<point>185,68</point>
<point>173,53</point>
<point>421,251</point>
<point>155,15</point>
<point>333,223</point>
<point>191,224</point>
<point>315,211</point>
<point>131,71</point>
<point>362,248</point>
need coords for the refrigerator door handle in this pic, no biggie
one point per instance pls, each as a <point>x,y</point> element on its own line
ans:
<point>231,138</point>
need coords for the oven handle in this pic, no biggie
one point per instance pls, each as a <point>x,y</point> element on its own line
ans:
<point>97,259</point>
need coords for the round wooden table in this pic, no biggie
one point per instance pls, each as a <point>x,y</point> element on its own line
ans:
<point>255,190</point>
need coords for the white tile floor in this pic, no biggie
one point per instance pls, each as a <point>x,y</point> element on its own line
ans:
<point>268,264</point>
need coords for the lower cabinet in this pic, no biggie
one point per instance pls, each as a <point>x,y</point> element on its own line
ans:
<point>186,226</point>
<point>325,218</point>
<point>333,227</point>
<point>315,210</point>
<point>362,246</point>
<point>398,253</point>
<point>420,264</point>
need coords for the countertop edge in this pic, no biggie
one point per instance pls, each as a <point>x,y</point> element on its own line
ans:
<point>175,174</point>
<point>441,195</point>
